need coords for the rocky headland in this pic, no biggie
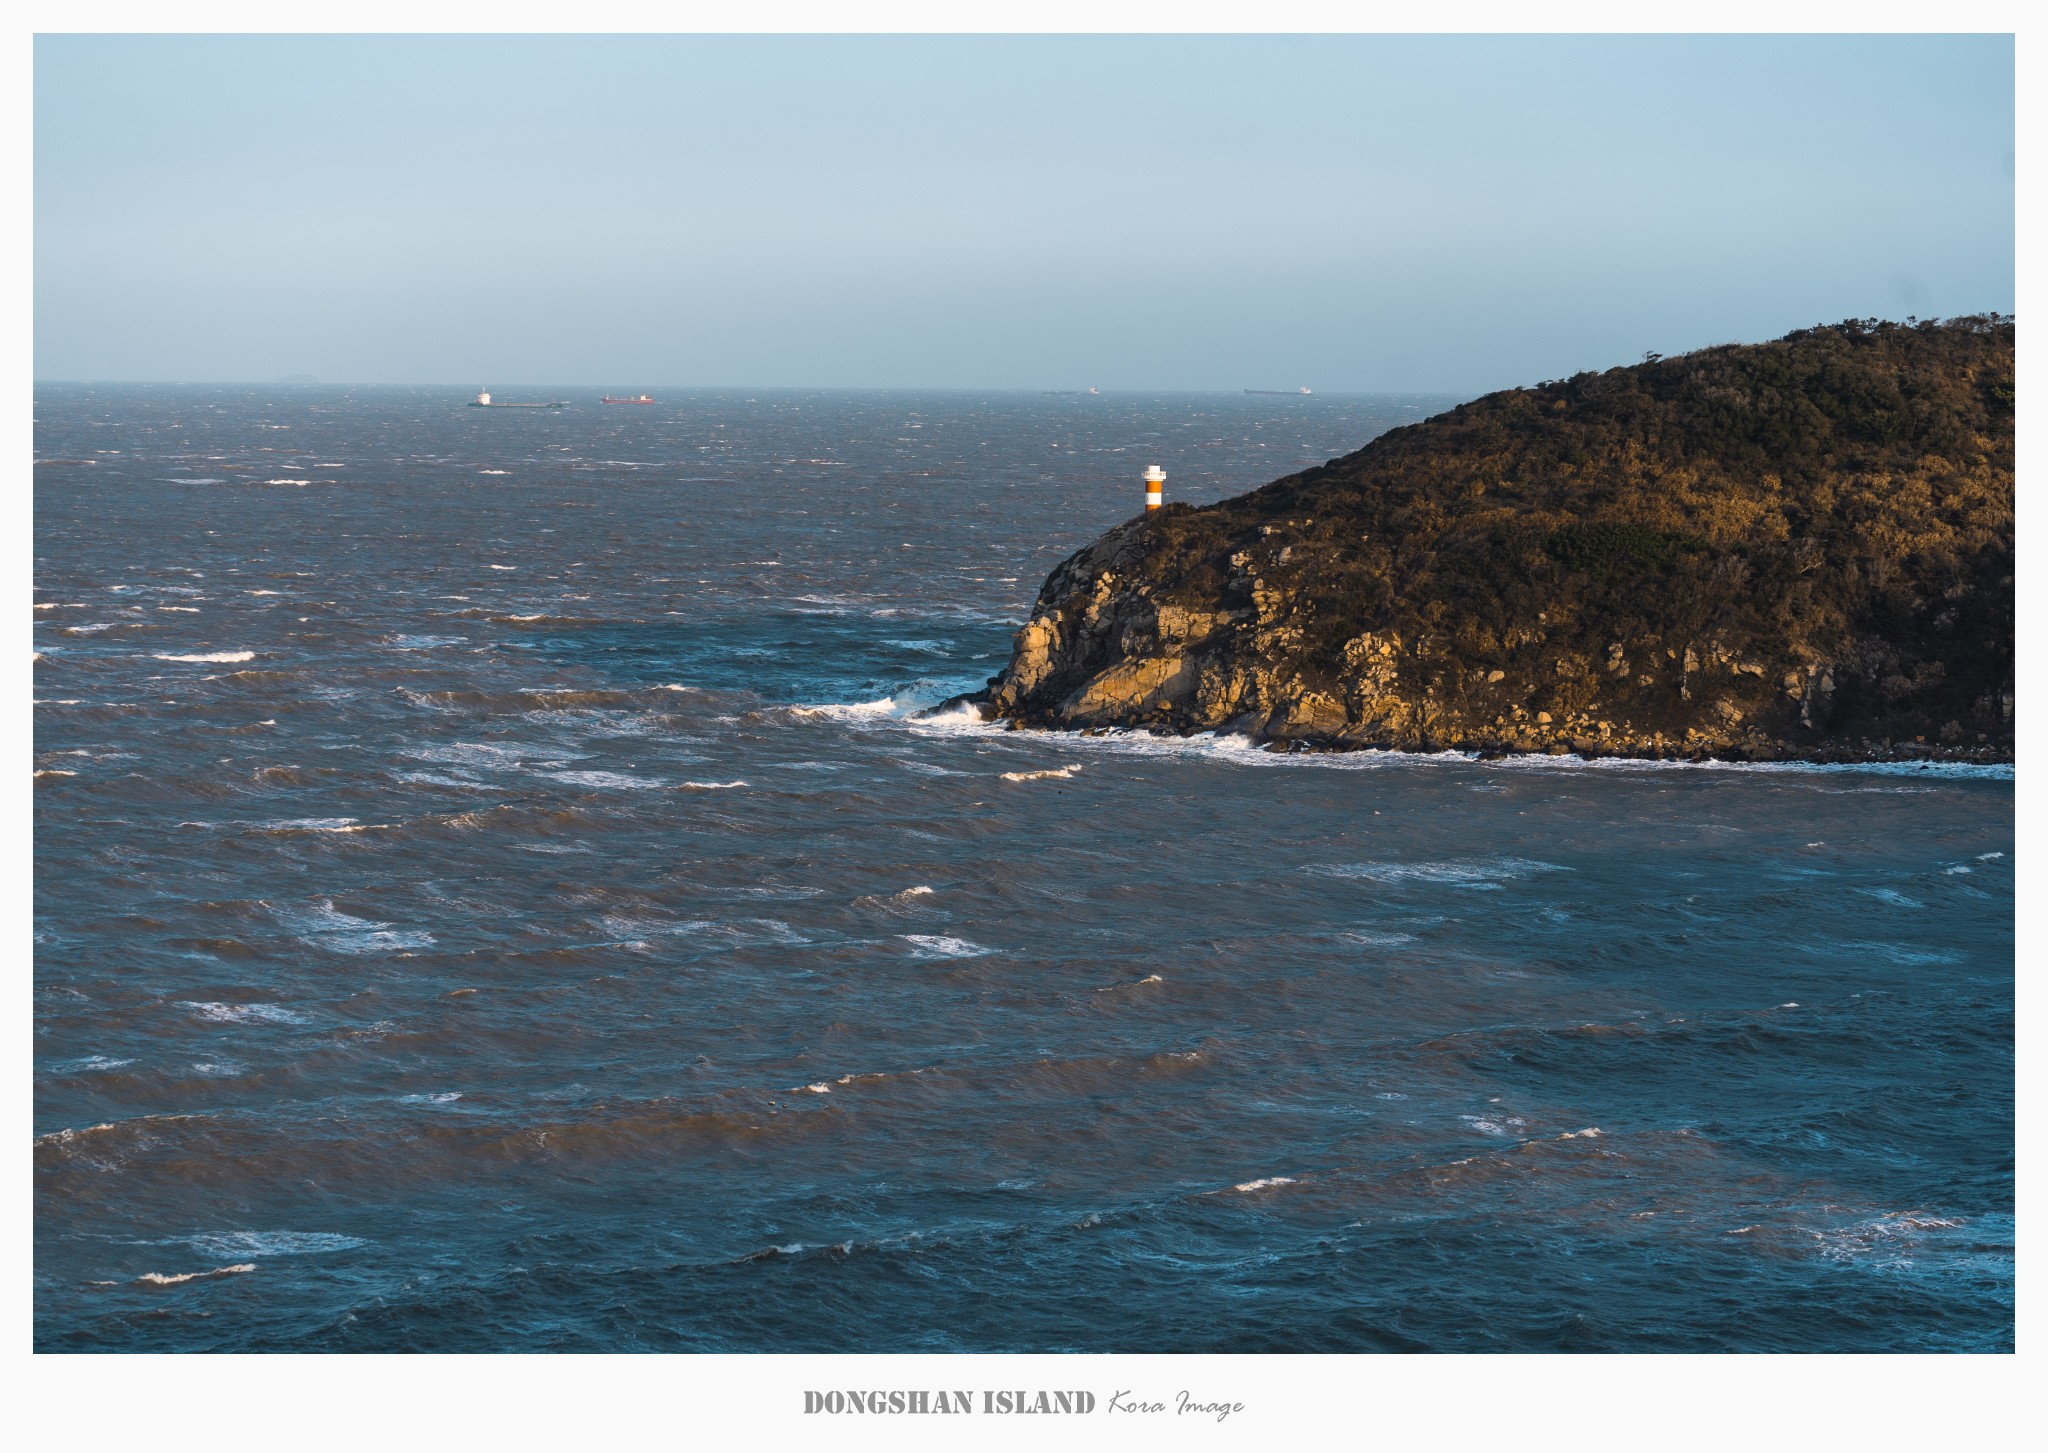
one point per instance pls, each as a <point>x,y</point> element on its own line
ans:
<point>1800,549</point>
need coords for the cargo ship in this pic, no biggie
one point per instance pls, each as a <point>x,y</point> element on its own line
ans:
<point>643,399</point>
<point>1277,393</point>
<point>483,401</point>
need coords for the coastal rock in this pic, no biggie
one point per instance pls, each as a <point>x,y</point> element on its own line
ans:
<point>1801,548</point>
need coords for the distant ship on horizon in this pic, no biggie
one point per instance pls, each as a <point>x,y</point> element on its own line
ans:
<point>483,401</point>
<point>1279,393</point>
<point>643,399</point>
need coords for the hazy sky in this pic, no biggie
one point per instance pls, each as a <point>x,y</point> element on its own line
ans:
<point>1424,214</point>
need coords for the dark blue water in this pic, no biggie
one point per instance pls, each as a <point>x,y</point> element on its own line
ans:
<point>493,892</point>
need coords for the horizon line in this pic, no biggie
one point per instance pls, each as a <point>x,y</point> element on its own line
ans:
<point>743,388</point>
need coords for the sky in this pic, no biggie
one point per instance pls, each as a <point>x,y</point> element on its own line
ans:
<point>1354,214</point>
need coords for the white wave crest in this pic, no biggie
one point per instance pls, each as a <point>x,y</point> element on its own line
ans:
<point>1243,751</point>
<point>160,1279</point>
<point>1482,874</point>
<point>850,711</point>
<point>961,720</point>
<point>324,926</point>
<point>223,658</point>
<point>1050,773</point>
<point>1135,983</point>
<point>485,753</point>
<point>604,779</point>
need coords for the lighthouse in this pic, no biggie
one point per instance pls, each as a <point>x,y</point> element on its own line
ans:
<point>1155,486</point>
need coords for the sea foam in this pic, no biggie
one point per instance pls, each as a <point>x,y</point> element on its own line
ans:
<point>243,1013</point>
<point>272,1243</point>
<point>934,946</point>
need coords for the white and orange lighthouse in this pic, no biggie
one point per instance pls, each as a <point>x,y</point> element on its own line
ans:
<point>1155,486</point>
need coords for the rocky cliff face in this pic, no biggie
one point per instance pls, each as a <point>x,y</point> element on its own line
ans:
<point>1799,549</point>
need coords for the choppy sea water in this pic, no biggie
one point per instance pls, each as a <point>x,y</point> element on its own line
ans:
<point>493,891</point>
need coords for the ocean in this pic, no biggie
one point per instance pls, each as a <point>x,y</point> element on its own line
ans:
<point>496,889</point>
